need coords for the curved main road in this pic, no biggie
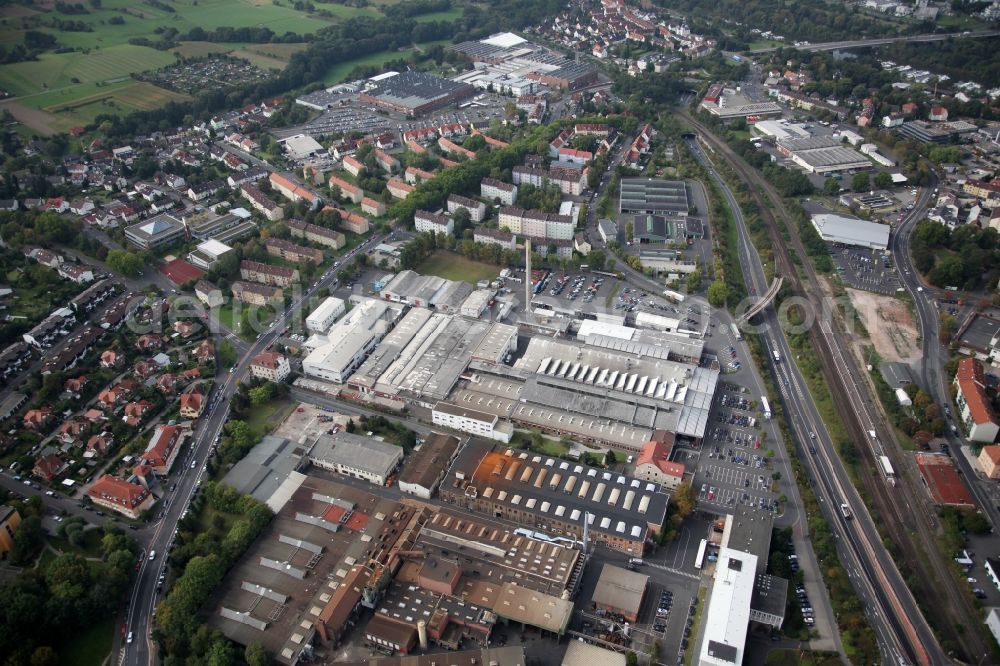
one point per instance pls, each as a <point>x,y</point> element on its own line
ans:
<point>902,632</point>
<point>881,41</point>
<point>934,355</point>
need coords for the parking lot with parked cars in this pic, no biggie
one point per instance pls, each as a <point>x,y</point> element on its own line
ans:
<point>866,269</point>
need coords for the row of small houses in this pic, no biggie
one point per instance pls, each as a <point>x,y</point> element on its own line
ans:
<point>59,327</point>
<point>133,495</point>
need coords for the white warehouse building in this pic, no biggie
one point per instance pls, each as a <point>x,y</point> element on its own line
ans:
<point>463,419</point>
<point>728,614</point>
<point>346,345</point>
<point>329,311</point>
<point>851,231</point>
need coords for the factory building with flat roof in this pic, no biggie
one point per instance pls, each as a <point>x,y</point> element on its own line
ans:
<point>555,496</point>
<point>345,346</point>
<point>414,93</point>
<point>822,154</point>
<point>422,359</point>
<point>610,395</point>
<point>728,615</point>
<point>365,458</point>
<point>427,291</point>
<point>653,196</point>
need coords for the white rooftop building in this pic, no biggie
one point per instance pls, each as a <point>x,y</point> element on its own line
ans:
<point>208,253</point>
<point>504,40</point>
<point>728,614</point>
<point>350,341</point>
<point>302,146</point>
<point>322,318</point>
<point>844,230</point>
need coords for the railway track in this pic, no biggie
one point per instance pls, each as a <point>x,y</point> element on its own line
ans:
<point>854,402</point>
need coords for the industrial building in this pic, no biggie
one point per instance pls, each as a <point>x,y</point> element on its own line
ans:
<point>556,496</point>
<point>620,592</point>
<point>414,93</point>
<point>426,466</point>
<point>727,103</point>
<point>822,154</point>
<point>330,310</point>
<point>426,291</point>
<point>728,615</point>
<point>324,557</point>
<point>653,196</point>
<point>365,458</point>
<point>609,391</point>
<point>667,261</point>
<point>659,229</point>
<point>843,230</point>
<point>472,421</point>
<point>653,463</point>
<point>510,62</point>
<point>422,359</point>
<point>337,354</point>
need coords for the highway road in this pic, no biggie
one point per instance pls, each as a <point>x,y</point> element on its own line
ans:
<point>879,41</point>
<point>902,632</point>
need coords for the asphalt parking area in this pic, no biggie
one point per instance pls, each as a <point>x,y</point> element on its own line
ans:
<point>866,269</point>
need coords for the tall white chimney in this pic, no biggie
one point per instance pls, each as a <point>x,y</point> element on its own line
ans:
<point>422,633</point>
<point>527,276</point>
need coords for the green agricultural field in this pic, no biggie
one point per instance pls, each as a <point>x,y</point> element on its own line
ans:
<point>58,70</point>
<point>452,266</point>
<point>141,20</point>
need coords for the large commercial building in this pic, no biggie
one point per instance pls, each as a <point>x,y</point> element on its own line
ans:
<point>843,230</point>
<point>727,103</point>
<point>346,345</point>
<point>822,154</point>
<point>979,423</point>
<point>426,467</point>
<point>653,196</point>
<point>556,496</point>
<point>413,93</point>
<point>357,456</point>
<point>728,615</point>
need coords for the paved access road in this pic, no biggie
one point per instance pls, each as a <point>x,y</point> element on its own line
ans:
<point>900,628</point>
